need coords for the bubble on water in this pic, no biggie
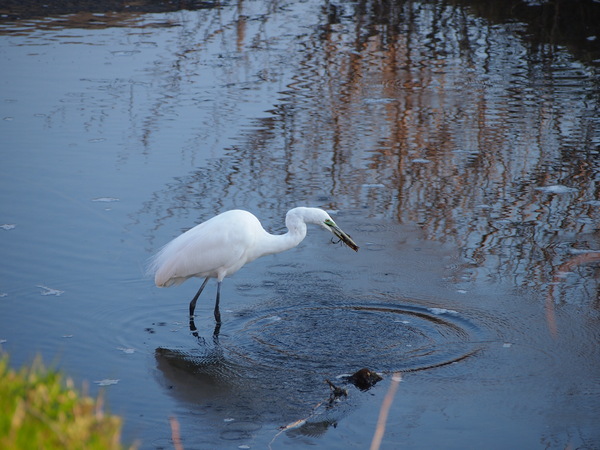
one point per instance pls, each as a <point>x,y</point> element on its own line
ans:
<point>125,52</point>
<point>556,189</point>
<point>106,199</point>
<point>49,291</point>
<point>8,226</point>
<point>273,319</point>
<point>126,350</point>
<point>439,311</point>
<point>106,382</point>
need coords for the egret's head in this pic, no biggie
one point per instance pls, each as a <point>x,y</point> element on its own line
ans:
<point>317,216</point>
<point>330,225</point>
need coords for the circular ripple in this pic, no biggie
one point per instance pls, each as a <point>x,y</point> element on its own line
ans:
<point>381,337</point>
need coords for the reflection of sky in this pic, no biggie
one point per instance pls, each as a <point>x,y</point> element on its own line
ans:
<point>453,131</point>
<point>115,139</point>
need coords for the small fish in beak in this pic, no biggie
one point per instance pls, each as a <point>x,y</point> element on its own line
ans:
<point>337,231</point>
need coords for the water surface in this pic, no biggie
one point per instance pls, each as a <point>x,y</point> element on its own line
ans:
<point>459,148</point>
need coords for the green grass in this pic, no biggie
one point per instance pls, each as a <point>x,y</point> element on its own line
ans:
<point>41,409</point>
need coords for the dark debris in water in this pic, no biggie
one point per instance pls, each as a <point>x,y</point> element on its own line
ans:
<point>364,379</point>
<point>336,392</point>
<point>323,414</point>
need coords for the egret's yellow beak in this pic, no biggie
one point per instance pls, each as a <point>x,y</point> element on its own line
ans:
<point>337,231</point>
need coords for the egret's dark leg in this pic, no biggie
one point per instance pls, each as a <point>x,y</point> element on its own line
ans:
<point>193,328</point>
<point>216,333</point>
<point>193,302</point>
<point>217,312</point>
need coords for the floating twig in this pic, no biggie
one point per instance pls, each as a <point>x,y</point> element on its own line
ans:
<point>384,411</point>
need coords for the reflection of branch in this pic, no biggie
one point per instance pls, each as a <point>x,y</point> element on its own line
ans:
<point>336,394</point>
<point>565,267</point>
<point>293,425</point>
<point>385,409</point>
<point>363,379</point>
<point>175,436</point>
<point>368,105</point>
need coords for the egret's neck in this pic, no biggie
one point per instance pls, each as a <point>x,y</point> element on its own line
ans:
<point>277,243</point>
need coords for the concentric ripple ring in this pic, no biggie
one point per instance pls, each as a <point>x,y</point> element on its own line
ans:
<point>383,337</point>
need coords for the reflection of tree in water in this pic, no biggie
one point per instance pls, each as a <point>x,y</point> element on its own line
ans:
<point>423,114</point>
<point>97,13</point>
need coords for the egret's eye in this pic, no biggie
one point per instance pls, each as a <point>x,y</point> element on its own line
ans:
<point>329,222</point>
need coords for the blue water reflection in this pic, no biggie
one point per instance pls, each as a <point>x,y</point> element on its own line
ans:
<point>462,157</point>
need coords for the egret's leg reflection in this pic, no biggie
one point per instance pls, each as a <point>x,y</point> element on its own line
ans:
<point>194,331</point>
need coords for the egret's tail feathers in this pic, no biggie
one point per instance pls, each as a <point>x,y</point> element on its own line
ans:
<point>156,269</point>
<point>163,279</point>
<point>164,272</point>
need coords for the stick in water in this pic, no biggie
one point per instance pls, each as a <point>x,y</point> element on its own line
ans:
<point>384,411</point>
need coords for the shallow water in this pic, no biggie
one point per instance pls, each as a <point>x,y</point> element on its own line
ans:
<point>459,148</point>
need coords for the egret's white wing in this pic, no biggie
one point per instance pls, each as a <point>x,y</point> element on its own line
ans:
<point>214,247</point>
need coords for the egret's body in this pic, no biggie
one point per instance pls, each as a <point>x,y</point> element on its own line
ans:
<point>222,245</point>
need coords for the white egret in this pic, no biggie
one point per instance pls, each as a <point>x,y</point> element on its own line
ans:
<point>220,247</point>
